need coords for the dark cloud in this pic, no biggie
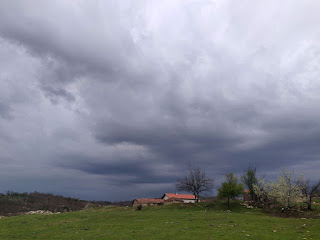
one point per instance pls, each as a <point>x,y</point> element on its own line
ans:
<point>134,172</point>
<point>123,96</point>
<point>53,94</point>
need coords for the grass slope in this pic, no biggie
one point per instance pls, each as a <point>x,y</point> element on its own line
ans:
<point>201,221</point>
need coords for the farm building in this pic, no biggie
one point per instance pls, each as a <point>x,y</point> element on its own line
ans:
<point>167,198</point>
<point>147,202</point>
<point>186,198</point>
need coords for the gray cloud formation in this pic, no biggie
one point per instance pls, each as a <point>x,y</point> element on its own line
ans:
<point>112,100</point>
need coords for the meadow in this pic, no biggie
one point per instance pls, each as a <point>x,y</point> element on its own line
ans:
<point>189,221</point>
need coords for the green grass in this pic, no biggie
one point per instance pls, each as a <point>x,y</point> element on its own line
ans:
<point>201,221</point>
<point>316,200</point>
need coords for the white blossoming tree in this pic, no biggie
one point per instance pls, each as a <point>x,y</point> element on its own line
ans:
<point>285,192</point>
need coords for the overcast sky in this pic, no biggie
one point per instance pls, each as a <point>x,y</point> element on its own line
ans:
<point>112,100</point>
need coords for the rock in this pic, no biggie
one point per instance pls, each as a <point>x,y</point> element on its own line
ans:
<point>41,212</point>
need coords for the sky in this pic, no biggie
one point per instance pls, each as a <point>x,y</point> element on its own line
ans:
<point>113,100</point>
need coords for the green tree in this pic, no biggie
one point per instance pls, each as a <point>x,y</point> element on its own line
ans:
<point>231,188</point>
<point>249,179</point>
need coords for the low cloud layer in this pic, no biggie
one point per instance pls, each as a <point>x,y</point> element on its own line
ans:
<point>113,100</point>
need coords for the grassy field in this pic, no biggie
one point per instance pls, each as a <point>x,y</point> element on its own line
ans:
<point>316,200</point>
<point>202,221</point>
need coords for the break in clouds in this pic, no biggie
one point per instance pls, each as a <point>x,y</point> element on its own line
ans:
<point>113,100</point>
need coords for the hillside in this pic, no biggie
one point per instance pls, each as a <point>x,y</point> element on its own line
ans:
<point>13,203</point>
<point>178,221</point>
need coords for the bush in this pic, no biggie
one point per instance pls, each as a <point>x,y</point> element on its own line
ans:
<point>66,209</point>
<point>139,207</point>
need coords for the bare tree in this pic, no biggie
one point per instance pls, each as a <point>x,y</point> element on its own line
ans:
<point>308,190</point>
<point>195,181</point>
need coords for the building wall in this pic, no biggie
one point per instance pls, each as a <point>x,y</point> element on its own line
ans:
<point>165,197</point>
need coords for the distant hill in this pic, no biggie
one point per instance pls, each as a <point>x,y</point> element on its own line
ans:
<point>13,203</point>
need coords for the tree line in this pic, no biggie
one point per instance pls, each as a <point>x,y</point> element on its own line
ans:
<point>286,192</point>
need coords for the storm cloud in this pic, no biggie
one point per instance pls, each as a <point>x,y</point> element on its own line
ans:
<point>114,99</point>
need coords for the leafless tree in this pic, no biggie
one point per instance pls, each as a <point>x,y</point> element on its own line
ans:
<point>195,181</point>
<point>308,190</point>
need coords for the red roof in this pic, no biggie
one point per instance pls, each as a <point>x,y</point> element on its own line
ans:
<point>149,200</point>
<point>181,196</point>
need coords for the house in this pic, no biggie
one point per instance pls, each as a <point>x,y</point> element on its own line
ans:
<point>186,198</point>
<point>167,198</point>
<point>147,202</point>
